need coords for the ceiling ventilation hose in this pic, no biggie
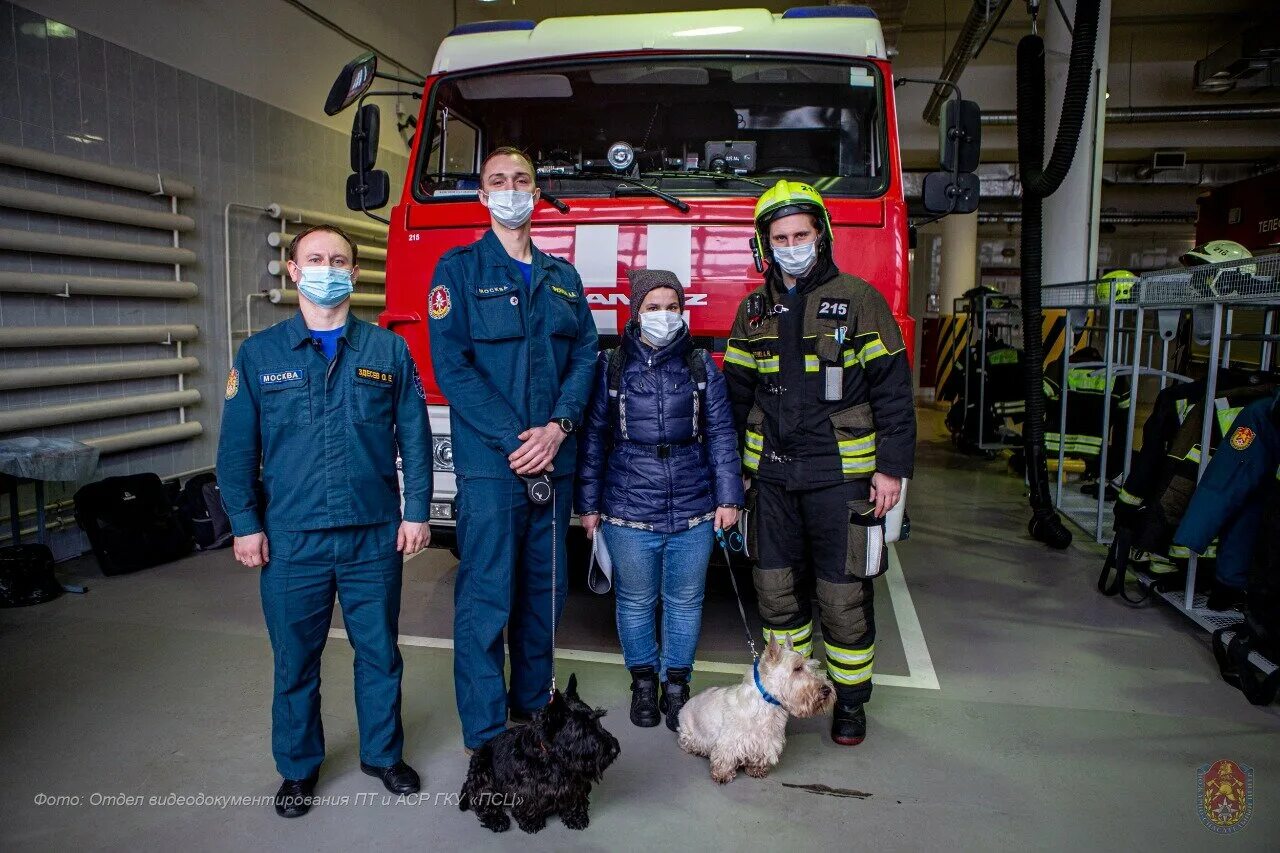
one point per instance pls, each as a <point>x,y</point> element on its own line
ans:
<point>1038,183</point>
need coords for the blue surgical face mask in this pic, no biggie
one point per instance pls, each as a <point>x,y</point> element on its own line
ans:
<point>796,260</point>
<point>325,286</point>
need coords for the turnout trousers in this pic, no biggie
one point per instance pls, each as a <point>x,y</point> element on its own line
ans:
<point>807,545</point>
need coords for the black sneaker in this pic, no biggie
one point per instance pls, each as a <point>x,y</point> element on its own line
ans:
<point>675,692</point>
<point>294,797</point>
<point>848,724</point>
<point>644,697</point>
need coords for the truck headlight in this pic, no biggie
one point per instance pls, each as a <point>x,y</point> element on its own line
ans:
<point>442,453</point>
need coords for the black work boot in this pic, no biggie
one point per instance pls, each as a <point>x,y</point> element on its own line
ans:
<point>644,697</point>
<point>675,692</point>
<point>848,724</point>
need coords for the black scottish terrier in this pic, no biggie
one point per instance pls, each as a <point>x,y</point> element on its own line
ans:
<point>541,769</point>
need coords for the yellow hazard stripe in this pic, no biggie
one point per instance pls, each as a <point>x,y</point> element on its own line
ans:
<point>755,441</point>
<point>740,357</point>
<point>843,675</point>
<point>750,460</point>
<point>850,657</point>
<point>857,446</point>
<point>767,365</point>
<point>811,364</point>
<point>952,337</point>
<point>858,465</point>
<point>873,349</point>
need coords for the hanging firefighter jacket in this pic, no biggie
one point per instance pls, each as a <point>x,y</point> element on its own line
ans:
<point>1163,509</point>
<point>1228,499</point>
<point>1086,400</point>
<point>998,386</point>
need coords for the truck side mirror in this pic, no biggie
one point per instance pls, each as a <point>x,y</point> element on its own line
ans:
<point>368,191</point>
<point>960,136</point>
<point>353,80</point>
<point>367,188</point>
<point>364,138</point>
<point>944,193</point>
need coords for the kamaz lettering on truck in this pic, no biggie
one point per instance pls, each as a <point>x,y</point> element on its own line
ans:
<point>652,137</point>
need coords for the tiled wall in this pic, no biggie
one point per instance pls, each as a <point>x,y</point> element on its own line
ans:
<point>71,93</point>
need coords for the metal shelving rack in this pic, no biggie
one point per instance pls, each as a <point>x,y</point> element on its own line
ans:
<point>977,326</point>
<point>1213,295</point>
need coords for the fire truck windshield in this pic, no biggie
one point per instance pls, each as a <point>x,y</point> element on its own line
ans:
<point>687,125</point>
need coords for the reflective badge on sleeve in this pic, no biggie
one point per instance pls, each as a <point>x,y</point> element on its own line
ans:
<point>1242,438</point>
<point>233,383</point>
<point>438,303</point>
<point>417,384</point>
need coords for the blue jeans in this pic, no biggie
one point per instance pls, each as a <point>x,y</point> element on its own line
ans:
<point>645,562</point>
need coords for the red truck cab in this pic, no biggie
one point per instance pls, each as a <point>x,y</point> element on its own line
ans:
<point>656,133</point>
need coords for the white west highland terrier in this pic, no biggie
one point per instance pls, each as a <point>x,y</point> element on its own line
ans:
<point>746,725</point>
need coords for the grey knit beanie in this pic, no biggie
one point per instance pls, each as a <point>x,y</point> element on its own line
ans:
<point>644,280</point>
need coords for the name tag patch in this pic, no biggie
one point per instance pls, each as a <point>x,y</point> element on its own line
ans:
<point>278,377</point>
<point>564,293</point>
<point>834,309</point>
<point>493,290</point>
<point>379,376</point>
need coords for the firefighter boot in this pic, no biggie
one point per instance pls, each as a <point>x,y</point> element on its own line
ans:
<point>848,721</point>
<point>675,692</point>
<point>644,697</point>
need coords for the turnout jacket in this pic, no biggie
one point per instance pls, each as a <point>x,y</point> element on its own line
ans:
<point>776,365</point>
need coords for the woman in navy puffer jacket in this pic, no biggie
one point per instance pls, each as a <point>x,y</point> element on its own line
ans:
<point>659,467</point>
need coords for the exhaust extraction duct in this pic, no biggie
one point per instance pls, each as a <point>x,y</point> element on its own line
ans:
<point>984,16</point>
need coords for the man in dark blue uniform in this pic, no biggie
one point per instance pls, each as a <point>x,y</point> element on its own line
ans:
<point>514,348</point>
<point>315,409</point>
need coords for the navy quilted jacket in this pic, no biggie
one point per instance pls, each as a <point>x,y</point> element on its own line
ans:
<point>622,472</point>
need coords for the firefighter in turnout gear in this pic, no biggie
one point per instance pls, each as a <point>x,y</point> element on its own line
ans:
<point>820,383</point>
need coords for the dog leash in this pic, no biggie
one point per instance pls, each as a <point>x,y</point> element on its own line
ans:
<point>555,534</point>
<point>742,611</point>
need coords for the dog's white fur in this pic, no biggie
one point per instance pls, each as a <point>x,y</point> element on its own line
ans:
<point>735,727</point>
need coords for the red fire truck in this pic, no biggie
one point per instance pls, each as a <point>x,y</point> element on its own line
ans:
<point>652,136</point>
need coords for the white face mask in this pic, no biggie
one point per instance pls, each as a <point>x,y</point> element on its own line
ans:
<point>796,260</point>
<point>661,327</point>
<point>512,208</point>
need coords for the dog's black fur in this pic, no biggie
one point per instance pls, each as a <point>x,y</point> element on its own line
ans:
<point>543,768</point>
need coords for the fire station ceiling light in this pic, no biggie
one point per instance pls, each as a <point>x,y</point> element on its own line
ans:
<point>706,31</point>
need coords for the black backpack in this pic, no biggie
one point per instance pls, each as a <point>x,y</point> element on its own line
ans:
<point>201,510</point>
<point>130,523</point>
<point>694,358</point>
<point>26,576</point>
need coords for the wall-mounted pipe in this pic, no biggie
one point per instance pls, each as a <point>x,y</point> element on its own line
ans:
<point>1106,218</point>
<point>88,285</point>
<point>1164,115</point>
<point>279,240</point>
<point>123,441</point>
<point>95,410</point>
<point>101,211</point>
<point>73,167</point>
<point>276,268</point>
<point>983,17</point>
<point>12,337</point>
<point>358,227</point>
<point>82,374</point>
<point>56,244</point>
<point>363,300</point>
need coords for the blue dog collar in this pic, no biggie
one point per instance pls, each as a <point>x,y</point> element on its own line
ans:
<point>765,694</point>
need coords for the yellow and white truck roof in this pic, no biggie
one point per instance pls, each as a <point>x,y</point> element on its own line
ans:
<point>847,31</point>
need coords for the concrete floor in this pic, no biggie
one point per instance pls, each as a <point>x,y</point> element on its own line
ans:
<point>1063,720</point>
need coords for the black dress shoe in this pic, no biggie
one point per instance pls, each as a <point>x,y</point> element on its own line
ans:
<point>294,797</point>
<point>399,778</point>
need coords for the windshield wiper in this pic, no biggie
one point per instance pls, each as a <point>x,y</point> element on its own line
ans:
<point>653,191</point>
<point>705,173</point>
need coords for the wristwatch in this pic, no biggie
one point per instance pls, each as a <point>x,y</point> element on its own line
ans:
<point>565,424</point>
